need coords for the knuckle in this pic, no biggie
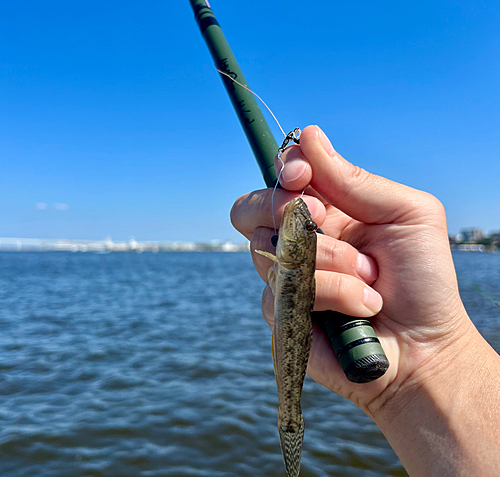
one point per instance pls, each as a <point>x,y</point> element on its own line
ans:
<point>434,204</point>
<point>334,287</point>
<point>235,214</point>
<point>330,251</point>
<point>431,207</point>
<point>356,177</point>
<point>341,284</point>
<point>358,173</point>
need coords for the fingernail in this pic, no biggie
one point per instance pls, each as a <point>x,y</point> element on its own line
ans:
<point>367,268</point>
<point>293,170</point>
<point>372,300</point>
<point>325,142</point>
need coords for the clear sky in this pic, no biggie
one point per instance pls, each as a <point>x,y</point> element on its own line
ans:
<point>113,121</point>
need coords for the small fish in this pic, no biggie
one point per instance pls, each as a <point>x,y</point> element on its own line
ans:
<point>293,284</point>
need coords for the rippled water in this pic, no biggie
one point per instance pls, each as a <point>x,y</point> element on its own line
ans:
<point>160,365</point>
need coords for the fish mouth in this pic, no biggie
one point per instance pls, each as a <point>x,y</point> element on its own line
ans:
<point>298,206</point>
<point>295,216</point>
<point>297,231</point>
<point>297,203</point>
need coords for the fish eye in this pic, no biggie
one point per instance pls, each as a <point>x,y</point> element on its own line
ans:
<point>274,240</point>
<point>311,226</point>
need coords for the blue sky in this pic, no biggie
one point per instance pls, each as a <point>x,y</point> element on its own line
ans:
<point>113,121</point>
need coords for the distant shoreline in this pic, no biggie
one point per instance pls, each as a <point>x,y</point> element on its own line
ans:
<point>13,244</point>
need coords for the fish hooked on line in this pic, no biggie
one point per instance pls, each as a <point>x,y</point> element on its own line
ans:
<point>293,284</point>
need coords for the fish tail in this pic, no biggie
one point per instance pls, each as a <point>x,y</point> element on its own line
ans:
<point>291,447</point>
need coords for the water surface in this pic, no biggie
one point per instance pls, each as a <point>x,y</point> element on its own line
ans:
<point>160,365</point>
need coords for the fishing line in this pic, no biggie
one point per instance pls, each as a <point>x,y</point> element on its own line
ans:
<point>274,191</point>
<point>257,96</point>
<point>292,136</point>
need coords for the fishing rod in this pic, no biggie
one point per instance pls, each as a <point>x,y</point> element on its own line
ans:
<point>353,339</point>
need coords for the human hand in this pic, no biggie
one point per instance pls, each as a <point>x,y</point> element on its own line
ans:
<point>377,233</point>
<point>438,403</point>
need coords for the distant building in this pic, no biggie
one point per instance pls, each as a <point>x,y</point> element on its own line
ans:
<point>471,235</point>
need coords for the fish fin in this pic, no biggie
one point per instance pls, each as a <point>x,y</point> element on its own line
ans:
<point>271,279</point>
<point>268,255</point>
<point>274,258</point>
<point>291,447</point>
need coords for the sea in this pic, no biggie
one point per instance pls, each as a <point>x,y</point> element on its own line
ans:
<point>160,365</point>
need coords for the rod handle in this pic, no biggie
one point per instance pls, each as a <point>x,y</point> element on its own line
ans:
<point>355,344</point>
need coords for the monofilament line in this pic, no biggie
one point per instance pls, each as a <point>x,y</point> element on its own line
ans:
<point>280,150</point>
<point>274,190</point>
<point>256,95</point>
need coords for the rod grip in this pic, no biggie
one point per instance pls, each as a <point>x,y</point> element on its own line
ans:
<point>355,344</point>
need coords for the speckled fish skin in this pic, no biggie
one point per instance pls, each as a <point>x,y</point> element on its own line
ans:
<point>293,284</point>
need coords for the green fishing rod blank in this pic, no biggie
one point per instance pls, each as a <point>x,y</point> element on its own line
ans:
<point>353,339</point>
<point>252,121</point>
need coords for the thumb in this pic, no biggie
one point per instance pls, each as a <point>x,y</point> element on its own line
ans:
<point>363,196</point>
